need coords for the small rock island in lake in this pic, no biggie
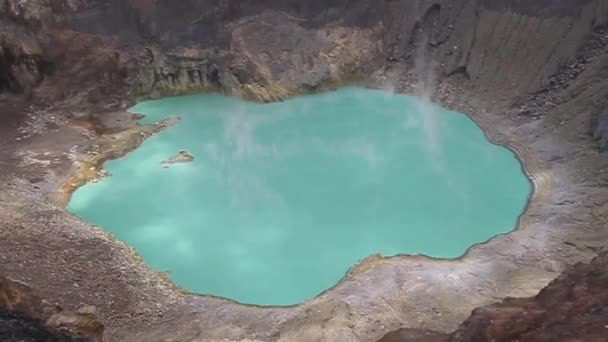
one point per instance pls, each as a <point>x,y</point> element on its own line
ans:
<point>182,156</point>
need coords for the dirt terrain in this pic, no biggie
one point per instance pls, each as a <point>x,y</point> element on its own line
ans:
<point>533,74</point>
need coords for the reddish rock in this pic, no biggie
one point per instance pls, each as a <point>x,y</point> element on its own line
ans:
<point>574,307</point>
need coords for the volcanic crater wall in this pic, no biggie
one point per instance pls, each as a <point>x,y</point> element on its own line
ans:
<point>543,59</point>
<point>272,49</point>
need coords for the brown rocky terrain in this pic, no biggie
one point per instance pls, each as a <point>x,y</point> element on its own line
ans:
<point>533,74</point>
<point>571,308</point>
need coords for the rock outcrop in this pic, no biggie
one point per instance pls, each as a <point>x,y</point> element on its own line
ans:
<point>574,307</point>
<point>182,156</point>
<point>25,317</point>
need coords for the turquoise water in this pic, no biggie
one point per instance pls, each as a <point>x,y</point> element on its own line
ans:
<point>281,199</point>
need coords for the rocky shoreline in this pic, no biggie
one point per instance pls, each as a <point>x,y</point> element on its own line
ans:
<point>530,100</point>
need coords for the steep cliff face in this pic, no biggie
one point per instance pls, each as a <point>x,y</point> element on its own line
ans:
<point>273,49</point>
<point>509,47</point>
<point>265,50</point>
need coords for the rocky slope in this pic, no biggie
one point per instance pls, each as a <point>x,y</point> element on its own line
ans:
<point>571,308</point>
<point>534,74</point>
